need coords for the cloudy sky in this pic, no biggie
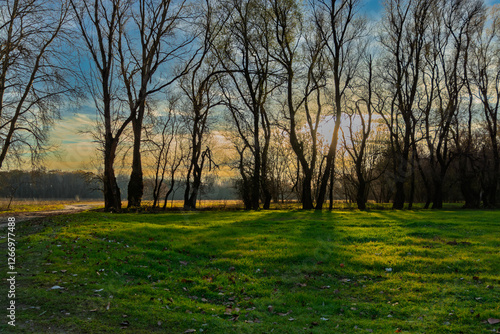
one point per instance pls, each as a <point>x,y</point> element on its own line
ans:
<point>74,149</point>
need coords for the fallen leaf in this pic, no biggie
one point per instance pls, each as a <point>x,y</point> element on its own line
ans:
<point>492,321</point>
<point>291,319</point>
<point>325,287</point>
<point>285,314</point>
<point>270,308</point>
<point>184,263</point>
<point>107,307</point>
<point>342,265</point>
<point>190,331</point>
<point>125,323</point>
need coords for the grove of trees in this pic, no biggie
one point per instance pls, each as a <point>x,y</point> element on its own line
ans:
<point>305,100</point>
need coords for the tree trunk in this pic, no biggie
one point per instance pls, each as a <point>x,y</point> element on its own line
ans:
<point>428,201</point>
<point>168,194</point>
<point>412,180</point>
<point>112,196</point>
<point>307,200</point>
<point>361,195</point>
<point>399,197</point>
<point>267,199</point>
<point>330,195</point>
<point>255,197</point>
<point>437,202</point>
<point>401,171</point>
<point>193,190</point>
<point>136,183</point>
<point>330,160</point>
<point>470,193</point>
<point>494,182</point>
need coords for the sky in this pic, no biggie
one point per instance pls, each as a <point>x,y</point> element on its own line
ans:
<point>74,149</point>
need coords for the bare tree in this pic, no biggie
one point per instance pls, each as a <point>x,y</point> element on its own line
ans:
<point>100,24</point>
<point>341,30</point>
<point>199,86</point>
<point>453,28</point>
<point>33,79</point>
<point>282,169</point>
<point>484,76</point>
<point>244,54</point>
<point>405,25</point>
<point>164,145</point>
<point>299,53</point>
<point>147,46</point>
<point>360,144</point>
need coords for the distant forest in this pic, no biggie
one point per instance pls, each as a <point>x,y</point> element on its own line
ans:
<point>81,185</point>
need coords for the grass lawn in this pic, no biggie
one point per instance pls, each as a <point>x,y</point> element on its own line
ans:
<point>37,205</point>
<point>259,272</point>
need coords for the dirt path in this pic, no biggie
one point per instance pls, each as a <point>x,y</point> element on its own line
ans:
<point>24,216</point>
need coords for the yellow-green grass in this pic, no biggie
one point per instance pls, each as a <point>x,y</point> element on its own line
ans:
<point>37,205</point>
<point>259,272</point>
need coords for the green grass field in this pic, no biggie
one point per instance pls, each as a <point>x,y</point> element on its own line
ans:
<point>18,206</point>
<point>259,272</point>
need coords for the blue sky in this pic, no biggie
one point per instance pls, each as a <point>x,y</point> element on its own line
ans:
<point>75,148</point>
<point>375,6</point>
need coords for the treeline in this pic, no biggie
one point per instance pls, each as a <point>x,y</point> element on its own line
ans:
<point>411,101</point>
<point>82,185</point>
<point>40,184</point>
